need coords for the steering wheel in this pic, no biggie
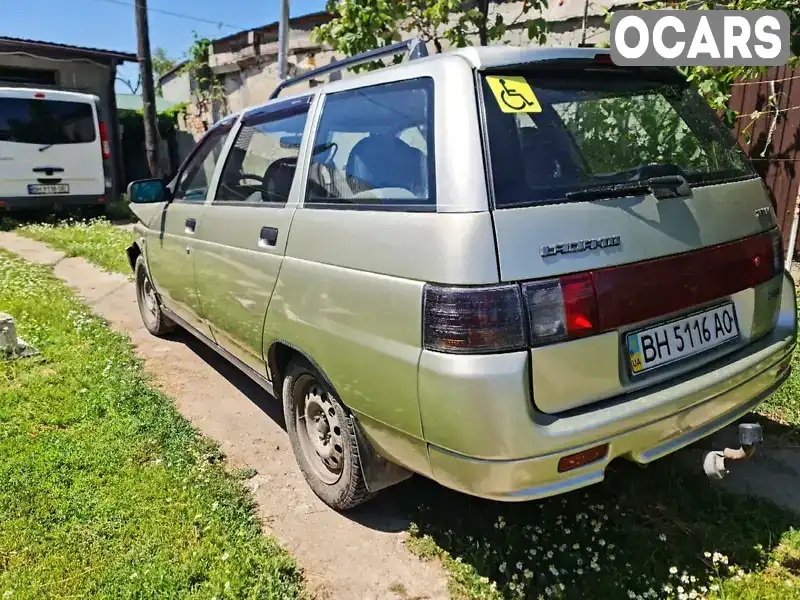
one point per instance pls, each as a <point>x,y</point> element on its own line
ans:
<point>245,176</point>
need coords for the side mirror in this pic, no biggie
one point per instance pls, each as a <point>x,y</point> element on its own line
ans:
<point>147,191</point>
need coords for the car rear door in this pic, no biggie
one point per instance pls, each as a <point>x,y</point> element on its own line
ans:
<point>242,237</point>
<point>622,204</point>
<point>172,235</point>
<point>49,139</point>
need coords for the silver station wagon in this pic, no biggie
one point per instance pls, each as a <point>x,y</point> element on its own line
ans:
<point>500,268</point>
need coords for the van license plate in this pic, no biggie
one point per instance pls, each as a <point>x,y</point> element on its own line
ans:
<point>48,189</point>
<point>658,346</point>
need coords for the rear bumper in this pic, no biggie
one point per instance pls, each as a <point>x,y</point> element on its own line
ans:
<point>642,428</point>
<point>50,202</point>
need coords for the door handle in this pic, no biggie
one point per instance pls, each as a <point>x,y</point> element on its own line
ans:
<point>191,224</point>
<point>268,237</point>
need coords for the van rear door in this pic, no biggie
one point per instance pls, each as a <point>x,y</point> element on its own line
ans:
<point>50,144</point>
<point>630,204</point>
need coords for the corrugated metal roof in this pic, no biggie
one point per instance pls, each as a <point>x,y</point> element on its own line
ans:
<point>32,45</point>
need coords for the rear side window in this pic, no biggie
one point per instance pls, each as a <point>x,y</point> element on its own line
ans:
<point>31,121</point>
<point>374,149</point>
<point>595,129</point>
<point>263,160</point>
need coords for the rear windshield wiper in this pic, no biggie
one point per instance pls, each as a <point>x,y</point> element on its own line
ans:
<point>665,186</point>
<point>47,147</point>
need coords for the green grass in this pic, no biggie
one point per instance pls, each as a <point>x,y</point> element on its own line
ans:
<point>98,241</point>
<point>105,490</point>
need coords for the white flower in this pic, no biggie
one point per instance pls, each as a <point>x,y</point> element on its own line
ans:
<point>707,554</point>
<point>528,574</point>
<point>562,587</point>
<point>576,546</point>
<point>602,543</point>
<point>631,594</point>
<point>579,571</point>
<point>662,537</point>
<point>684,578</point>
<point>553,570</point>
<point>227,585</point>
<point>567,531</point>
<point>673,570</point>
<point>484,580</point>
<point>549,554</point>
<point>788,583</point>
<point>519,565</point>
<point>502,567</point>
<point>713,587</point>
<point>225,556</point>
<point>679,589</point>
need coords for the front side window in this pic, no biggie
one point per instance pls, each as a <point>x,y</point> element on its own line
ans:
<point>603,129</point>
<point>374,149</point>
<point>263,160</point>
<point>45,122</point>
<point>195,178</point>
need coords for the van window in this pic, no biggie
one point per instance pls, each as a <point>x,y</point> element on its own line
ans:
<point>596,129</point>
<point>374,149</point>
<point>262,162</point>
<point>194,179</point>
<point>30,121</point>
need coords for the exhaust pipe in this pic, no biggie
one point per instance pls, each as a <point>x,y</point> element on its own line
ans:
<point>750,434</point>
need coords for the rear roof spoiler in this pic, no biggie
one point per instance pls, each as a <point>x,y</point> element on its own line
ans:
<point>415,47</point>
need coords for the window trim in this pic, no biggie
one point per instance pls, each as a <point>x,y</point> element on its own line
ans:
<point>265,114</point>
<point>222,129</point>
<point>427,80</point>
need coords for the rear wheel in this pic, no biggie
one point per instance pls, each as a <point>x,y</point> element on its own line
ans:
<point>323,438</point>
<point>153,317</point>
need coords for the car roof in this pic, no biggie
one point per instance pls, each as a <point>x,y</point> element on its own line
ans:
<point>477,57</point>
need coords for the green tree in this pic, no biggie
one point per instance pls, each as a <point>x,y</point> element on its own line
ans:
<point>361,25</point>
<point>161,62</point>
<point>716,83</point>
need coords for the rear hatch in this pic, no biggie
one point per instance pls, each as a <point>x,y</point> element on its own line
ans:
<point>623,204</point>
<point>50,144</point>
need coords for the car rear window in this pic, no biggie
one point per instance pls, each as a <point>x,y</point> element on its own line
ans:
<point>581,130</point>
<point>29,121</point>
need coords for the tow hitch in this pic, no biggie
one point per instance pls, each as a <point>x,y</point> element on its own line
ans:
<point>750,434</point>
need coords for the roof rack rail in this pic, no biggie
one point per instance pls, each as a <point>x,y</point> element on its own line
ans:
<point>416,49</point>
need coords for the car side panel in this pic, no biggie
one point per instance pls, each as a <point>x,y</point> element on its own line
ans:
<point>236,274</point>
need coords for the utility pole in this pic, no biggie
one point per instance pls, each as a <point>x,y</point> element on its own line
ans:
<point>283,41</point>
<point>148,89</point>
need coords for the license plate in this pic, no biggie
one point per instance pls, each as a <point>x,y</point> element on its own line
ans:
<point>48,189</point>
<point>667,343</point>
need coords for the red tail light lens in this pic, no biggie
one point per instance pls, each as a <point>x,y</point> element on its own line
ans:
<point>777,251</point>
<point>473,320</point>
<point>562,308</point>
<point>104,145</point>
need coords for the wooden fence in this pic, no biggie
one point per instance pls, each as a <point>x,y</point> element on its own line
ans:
<point>768,128</point>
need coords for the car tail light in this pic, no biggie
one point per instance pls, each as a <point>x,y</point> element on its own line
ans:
<point>560,308</point>
<point>473,320</point>
<point>106,147</point>
<point>38,95</point>
<point>777,251</point>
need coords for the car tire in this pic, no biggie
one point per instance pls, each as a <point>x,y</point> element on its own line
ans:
<point>153,317</point>
<point>326,451</point>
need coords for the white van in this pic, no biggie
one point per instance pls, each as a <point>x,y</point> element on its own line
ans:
<point>54,150</point>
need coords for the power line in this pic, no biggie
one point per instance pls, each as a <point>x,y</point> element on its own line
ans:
<point>178,15</point>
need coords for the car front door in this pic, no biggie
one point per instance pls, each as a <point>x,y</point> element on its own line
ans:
<point>242,240</point>
<point>171,244</point>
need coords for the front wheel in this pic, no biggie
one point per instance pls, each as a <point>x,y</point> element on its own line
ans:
<point>323,438</point>
<point>153,317</point>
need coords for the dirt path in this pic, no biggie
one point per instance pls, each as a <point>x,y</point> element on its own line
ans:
<point>359,556</point>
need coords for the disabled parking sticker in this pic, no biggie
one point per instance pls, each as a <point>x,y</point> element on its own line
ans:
<point>513,94</point>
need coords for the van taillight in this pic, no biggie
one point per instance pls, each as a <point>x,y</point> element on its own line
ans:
<point>106,147</point>
<point>472,320</point>
<point>777,251</point>
<point>490,319</point>
<point>561,308</point>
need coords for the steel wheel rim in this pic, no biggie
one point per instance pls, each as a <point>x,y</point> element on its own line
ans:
<point>148,301</point>
<point>319,430</point>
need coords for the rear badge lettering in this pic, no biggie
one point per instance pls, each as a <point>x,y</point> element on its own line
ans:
<point>580,246</point>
